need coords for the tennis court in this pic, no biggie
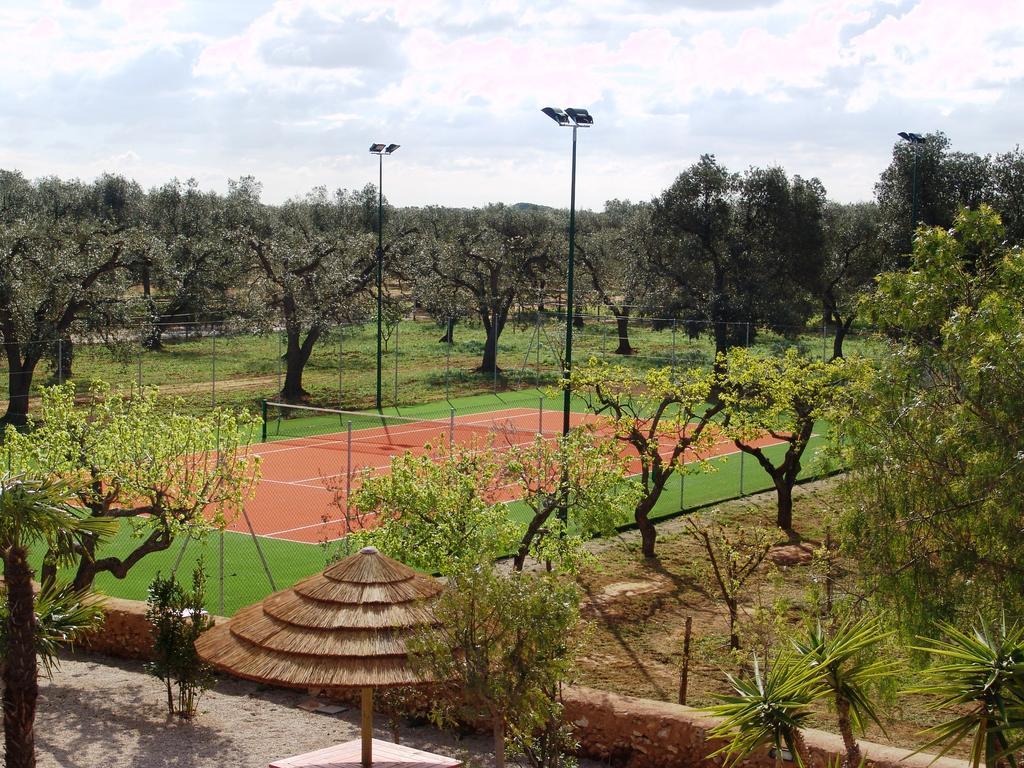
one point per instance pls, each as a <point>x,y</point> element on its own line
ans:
<point>306,479</point>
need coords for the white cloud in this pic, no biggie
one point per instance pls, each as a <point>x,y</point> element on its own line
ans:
<point>293,90</point>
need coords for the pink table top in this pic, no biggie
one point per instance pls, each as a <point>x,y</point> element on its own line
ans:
<point>385,755</point>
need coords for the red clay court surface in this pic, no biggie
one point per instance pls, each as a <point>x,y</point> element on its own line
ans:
<point>301,493</point>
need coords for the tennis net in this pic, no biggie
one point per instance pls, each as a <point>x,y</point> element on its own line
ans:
<point>393,433</point>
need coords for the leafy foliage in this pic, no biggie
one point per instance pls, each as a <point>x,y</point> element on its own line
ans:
<point>165,473</point>
<point>443,510</point>
<point>178,619</point>
<point>768,709</point>
<point>933,441</point>
<point>62,617</point>
<point>507,642</point>
<point>434,512</point>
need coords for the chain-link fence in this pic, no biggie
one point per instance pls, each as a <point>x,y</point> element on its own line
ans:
<point>212,364</point>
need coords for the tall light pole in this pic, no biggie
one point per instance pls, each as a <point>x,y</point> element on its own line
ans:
<point>573,118</point>
<point>916,140</point>
<point>380,150</point>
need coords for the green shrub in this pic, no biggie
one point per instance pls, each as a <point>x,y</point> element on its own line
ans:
<point>178,619</point>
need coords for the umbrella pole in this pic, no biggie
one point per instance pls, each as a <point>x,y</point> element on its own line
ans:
<point>367,711</point>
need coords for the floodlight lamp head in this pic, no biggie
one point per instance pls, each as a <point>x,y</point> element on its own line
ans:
<point>581,117</point>
<point>391,148</point>
<point>376,148</point>
<point>557,115</point>
<point>913,138</point>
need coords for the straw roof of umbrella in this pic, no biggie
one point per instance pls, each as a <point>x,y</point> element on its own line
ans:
<point>346,627</point>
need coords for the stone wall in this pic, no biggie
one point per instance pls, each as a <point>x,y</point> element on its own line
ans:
<point>619,730</point>
<point>641,733</point>
<point>125,632</point>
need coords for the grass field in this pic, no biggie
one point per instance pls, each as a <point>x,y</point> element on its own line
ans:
<point>237,369</point>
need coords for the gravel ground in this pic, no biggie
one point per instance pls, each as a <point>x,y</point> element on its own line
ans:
<point>99,712</point>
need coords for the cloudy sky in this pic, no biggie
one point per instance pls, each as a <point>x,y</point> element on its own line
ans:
<point>294,91</point>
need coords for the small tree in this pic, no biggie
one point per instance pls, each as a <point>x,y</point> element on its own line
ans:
<point>442,510</point>
<point>508,642</point>
<point>583,474</point>
<point>733,561</point>
<point>163,473</point>
<point>780,398</point>
<point>434,512</point>
<point>178,619</point>
<point>663,418</point>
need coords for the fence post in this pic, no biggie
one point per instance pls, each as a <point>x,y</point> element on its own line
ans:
<point>263,412</point>
<point>396,362</point>
<point>213,369</point>
<point>673,348</point>
<point>280,357</point>
<point>348,490</point>
<point>220,608</point>
<point>537,378</point>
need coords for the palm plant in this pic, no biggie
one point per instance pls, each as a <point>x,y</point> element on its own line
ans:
<point>768,709</point>
<point>32,511</point>
<point>981,676</point>
<point>62,616</point>
<point>841,654</point>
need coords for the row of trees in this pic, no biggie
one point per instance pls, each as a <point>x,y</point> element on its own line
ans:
<point>725,250</point>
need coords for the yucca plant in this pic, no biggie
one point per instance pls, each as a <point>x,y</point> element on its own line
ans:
<point>769,709</point>
<point>842,655</point>
<point>980,675</point>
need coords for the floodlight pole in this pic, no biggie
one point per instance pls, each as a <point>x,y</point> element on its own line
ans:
<point>380,150</point>
<point>569,307</point>
<point>570,118</point>
<point>916,140</point>
<point>380,274</point>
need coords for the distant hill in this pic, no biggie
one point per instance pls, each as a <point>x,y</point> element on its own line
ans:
<point>532,207</point>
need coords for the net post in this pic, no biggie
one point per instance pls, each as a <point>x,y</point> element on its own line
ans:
<point>448,361</point>
<point>451,429</point>
<point>263,429</point>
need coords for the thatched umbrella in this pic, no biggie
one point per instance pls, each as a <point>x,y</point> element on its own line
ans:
<point>343,628</point>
